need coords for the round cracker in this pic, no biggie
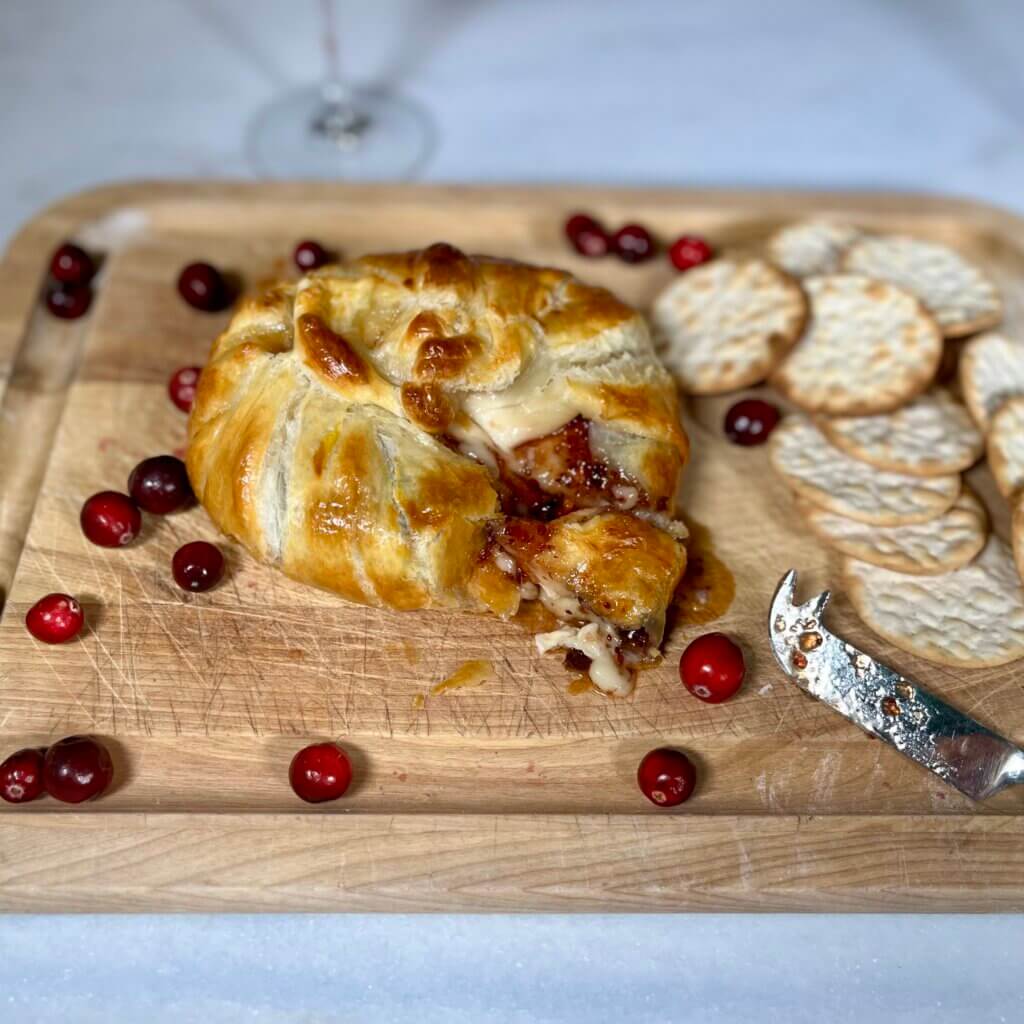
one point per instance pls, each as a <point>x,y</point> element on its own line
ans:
<point>932,435</point>
<point>971,618</point>
<point>724,325</point>
<point>1006,447</point>
<point>869,347</point>
<point>922,549</point>
<point>991,373</point>
<point>827,477</point>
<point>957,293</point>
<point>811,246</point>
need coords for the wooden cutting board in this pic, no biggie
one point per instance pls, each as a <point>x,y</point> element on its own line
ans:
<point>514,795</point>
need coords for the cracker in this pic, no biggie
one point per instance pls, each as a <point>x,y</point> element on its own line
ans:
<point>725,325</point>
<point>922,549</point>
<point>820,473</point>
<point>991,372</point>
<point>969,618</point>
<point>957,293</point>
<point>932,435</point>
<point>811,246</point>
<point>869,347</point>
<point>1006,447</point>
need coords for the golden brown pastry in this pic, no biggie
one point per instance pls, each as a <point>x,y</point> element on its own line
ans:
<point>429,429</point>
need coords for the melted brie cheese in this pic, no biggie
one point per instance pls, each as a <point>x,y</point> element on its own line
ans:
<point>595,642</point>
<point>532,407</point>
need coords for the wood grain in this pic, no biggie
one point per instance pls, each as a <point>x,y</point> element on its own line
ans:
<point>195,690</point>
<point>247,862</point>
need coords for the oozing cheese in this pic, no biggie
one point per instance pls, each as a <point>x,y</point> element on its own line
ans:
<point>532,407</point>
<point>595,641</point>
<point>505,562</point>
<point>474,443</point>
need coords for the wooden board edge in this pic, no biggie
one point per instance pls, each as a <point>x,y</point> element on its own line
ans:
<point>72,210</point>
<point>771,201</point>
<point>103,862</point>
<point>23,262</point>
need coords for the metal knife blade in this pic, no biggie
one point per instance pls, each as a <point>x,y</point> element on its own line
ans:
<point>958,749</point>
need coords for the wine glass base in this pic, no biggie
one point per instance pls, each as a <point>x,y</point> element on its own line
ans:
<point>390,140</point>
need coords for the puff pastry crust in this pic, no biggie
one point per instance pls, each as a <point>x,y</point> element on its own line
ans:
<point>429,429</point>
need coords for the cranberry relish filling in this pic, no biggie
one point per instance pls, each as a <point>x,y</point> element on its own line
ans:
<point>558,474</point>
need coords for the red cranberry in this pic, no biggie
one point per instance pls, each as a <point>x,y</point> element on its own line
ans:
<point>592,244</point>
<point>69,301</point>
<point>111,519</point>
<point>689,251</point>
<point>203,287</point>
<point>581,222</point>
<point>633,244</point>
<point>77,768</point>
<point>320,772</point>
<point>197,566</point>
<point>309,255</point>
<point>750,421</point>
<point>21,776</point>
<point>182,387</point>
<point>160,485</point>
<point>55,619</point>
<point>666,777</point>
<point>72,265</point>
<point>712,668</point>
<point>587,235</point>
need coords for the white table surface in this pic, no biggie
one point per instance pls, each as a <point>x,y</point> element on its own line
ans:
<point>836,93</point>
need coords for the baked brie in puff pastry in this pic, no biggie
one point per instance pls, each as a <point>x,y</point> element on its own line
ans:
<point>435,430</point>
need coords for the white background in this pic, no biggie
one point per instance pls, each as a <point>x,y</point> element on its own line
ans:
<point>912,95</point>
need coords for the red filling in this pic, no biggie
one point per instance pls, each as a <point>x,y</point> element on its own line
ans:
<point>557,474</point>
<point>560,473</point>
<point>525,538</point>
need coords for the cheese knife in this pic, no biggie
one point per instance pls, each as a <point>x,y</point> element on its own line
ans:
<point>961,751</point>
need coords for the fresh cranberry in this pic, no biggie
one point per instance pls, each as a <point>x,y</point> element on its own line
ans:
<point>55,619</point>
<point>110,519</point>
<point>197,566</point>
<point>581,222</point>
<point>21,776</point>
<point>203,287</point>
<point>182,387</point>
<point>750,421</point>
<point>591,243</point>
<point>77,768</point>
<point>72,265</point>
<point>309,255</point>
<point>160,485</point>
<point>633,244</point>
<point>69,301</point>
<point>666,777</point>
<point>689,251</point>
<point>320,772</point>
<point>712,668</point>
<point>587,235</point>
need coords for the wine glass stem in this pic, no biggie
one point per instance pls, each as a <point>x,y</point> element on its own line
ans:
<point>332,64</point>
<point>339,119</point>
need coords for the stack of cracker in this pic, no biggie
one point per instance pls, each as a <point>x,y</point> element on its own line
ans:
<point>850,328</point>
